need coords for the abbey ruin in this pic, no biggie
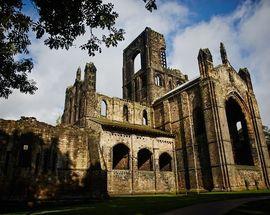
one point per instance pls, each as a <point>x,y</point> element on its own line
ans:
<point>167,134</point>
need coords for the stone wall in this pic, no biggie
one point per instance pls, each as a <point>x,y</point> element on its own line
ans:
<point>115,110</point>
<point>154,78</point>
<point>199,112</point>
<point>132,180</point>
<point>43,161</point>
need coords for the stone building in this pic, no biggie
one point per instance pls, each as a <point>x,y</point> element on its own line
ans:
<point>168,134</point>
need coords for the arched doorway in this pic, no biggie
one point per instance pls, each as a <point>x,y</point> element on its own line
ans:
<point>121,157</point>
<point>165,162</point>
<point>145,160</point>
<point>239,136</point>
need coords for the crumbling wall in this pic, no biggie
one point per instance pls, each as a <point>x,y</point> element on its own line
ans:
<point>43,161</point>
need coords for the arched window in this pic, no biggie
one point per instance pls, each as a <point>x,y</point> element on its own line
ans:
<point>121,157</point>
<point>137,62</point>
<point>238,133</point>
<point>145,160</point>
<point>165,162</point>
<point>103,108</point>
<point>158,80</point>
<point>163,58</point>
<point>145,120</point>
<point>125,113</point>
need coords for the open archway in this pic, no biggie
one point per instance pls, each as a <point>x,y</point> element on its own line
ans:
<point>121,157</point>
<point>145,160</point>
<point>239,136</point>
<point>165,162</point>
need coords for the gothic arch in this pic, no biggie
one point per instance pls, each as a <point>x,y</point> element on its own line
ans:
<point>240,100</point>
<point>239,127</point>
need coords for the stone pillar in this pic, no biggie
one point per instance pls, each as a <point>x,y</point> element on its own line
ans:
<point>218,143</point>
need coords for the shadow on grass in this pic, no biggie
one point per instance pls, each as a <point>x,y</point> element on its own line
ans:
<point>141,204</point>
<point>254,207</point>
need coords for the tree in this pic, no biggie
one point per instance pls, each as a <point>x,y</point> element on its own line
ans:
<point>267,135</point>
<point>59,23</point>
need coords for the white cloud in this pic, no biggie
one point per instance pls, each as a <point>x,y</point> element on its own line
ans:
<point>55,69</point>
<point>244,32</point>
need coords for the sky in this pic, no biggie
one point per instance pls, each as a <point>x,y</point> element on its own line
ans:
<point>188,25</point>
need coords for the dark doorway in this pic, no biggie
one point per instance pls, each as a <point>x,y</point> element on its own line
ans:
<point>120,157</point>
<point>145,160</point>
<point>238,133</point>
<point>165,162</point>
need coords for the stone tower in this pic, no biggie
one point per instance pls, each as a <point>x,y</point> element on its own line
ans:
<point>153,78</point>
<point>80,101</point>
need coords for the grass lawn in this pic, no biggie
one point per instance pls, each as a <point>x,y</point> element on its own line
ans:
<point>142,204</point>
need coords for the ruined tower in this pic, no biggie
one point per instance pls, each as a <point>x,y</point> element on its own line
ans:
<point>80,98</point>
<point>152,77</point>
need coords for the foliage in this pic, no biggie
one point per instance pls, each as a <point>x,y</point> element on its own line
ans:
<point>59,23</point>
<point>14,27</point>
<point>266,130</point>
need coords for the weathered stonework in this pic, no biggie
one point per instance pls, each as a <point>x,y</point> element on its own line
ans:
<point>167,135</point>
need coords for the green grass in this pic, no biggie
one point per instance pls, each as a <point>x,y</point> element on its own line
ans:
<point>144,204</point>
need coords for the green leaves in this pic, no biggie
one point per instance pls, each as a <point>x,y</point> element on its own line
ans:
<point>64,21</point>
<point>60,23</point>
<point>14,27</point>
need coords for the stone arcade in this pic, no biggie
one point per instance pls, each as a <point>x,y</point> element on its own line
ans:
<point>168,134</point>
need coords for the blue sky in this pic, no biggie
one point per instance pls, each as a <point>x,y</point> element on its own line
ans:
<point>187,25</point>
<point>205,9</point>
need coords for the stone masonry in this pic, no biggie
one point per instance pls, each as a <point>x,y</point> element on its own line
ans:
<point>168,134</point>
